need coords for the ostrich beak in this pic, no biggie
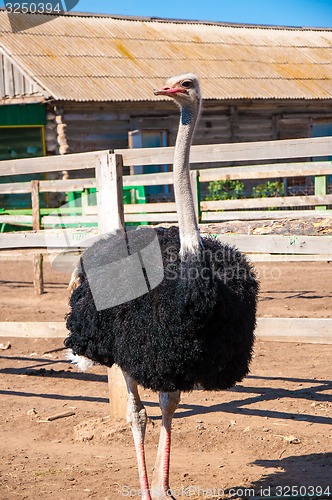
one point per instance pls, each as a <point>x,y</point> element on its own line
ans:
<point>169,91</point>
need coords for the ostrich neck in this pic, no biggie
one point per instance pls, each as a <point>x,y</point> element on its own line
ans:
<point>189,233</point>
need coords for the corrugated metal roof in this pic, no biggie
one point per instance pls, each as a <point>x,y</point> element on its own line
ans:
<point>105,58</point>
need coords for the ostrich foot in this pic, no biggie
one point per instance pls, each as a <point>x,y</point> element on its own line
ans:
<point>146,495</point>
<point>161,493</point>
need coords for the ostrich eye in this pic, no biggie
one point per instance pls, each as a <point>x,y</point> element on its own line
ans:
<point>187,84</point>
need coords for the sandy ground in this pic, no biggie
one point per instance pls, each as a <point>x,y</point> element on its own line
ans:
<point>270,435</point>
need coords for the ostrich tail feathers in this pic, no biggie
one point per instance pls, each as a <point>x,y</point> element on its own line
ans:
<point>81,362</point>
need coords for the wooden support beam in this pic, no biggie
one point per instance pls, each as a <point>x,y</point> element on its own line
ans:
<point>35,202</point>
<point>109,193</point>
<point>38,271</point>
<point>110,218</point>
<point>84,201</point>
<point>117,391</point>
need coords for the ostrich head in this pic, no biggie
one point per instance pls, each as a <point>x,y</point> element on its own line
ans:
<point>184,89</point>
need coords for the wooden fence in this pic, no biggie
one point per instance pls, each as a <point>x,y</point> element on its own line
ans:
<point>209,211</point>
<point>111,214</point>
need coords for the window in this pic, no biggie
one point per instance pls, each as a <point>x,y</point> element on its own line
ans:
<point>150,139</point>
<point>21,142</point>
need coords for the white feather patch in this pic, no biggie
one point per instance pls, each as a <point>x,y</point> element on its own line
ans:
<point>190,245</point>
<point>82,363</point>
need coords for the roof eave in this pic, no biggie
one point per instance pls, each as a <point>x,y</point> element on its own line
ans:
<point>28,74</point>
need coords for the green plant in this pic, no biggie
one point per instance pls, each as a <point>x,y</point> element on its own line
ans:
<point>225,190</point>
<point>268,190</point>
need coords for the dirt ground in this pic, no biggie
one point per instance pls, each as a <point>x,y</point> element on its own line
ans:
<point>269,435</point>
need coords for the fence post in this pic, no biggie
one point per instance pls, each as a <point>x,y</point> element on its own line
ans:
<point>111,217</point>
<point>195,188</point>
<point>109,193</point>
<point>38,274</point>
<point>321,188</point>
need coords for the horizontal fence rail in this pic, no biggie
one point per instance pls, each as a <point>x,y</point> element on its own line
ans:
<point>209,210</point>
<point>272,202</point>
<point>244,151</point>
<point>57,163</point>
<point>72,239</point>
<point>312,330</point>
<point>51,186</point>
<point>270,171</point>
<point>107,182</point>
<point>213,153</point>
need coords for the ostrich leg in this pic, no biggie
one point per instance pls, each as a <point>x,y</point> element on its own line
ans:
<point>160,490</point>
<point>136,416</point>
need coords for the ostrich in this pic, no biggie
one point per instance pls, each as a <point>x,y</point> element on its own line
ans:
<point>196,328</point>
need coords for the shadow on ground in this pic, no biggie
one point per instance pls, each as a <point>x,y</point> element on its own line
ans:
<point>314,391</point>
<point>295,477</point>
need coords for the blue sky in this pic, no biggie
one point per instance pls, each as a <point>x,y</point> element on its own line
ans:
<point>280,12</point>
<point>275,12</point>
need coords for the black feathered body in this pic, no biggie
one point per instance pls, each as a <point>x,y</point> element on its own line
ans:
<point>196,327</point>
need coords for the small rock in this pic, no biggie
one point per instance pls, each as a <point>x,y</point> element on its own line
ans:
<point>294,440</point>
<point>33,411</point>
<point>5,346</point>
<point>291,439</point>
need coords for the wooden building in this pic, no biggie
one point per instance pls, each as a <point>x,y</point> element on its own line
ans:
<point>82,82</point>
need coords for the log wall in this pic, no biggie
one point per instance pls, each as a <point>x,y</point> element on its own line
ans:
<point>92,126</point>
